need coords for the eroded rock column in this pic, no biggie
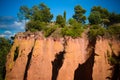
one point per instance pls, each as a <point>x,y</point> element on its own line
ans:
<point>75,54</point>
<point>16,69</point>
<point>102,68</point>
<point>43,54</point>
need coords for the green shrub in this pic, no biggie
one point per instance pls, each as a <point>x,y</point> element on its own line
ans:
<point>35,26</point>
<point>114,30</point>
<point>112,60</point>
<point>60,20</point>
<point>74,30</point>
<point>4,50</point>
<point>49,30</point>
<point>95,31</point>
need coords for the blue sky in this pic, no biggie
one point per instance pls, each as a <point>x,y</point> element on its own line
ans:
<point>9,9</point>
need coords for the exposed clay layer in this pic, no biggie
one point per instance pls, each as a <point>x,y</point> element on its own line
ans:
<point>104,48</point>
<point>66,58</point>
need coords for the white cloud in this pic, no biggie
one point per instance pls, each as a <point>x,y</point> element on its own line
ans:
<point>2,35</point>
<point>9,26</point>
<point>15,26</point>
<point>17,23</point>
<point>8,32</point>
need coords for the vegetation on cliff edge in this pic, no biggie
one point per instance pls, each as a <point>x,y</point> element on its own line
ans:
<point>4,50</point>
<point>101,21</point>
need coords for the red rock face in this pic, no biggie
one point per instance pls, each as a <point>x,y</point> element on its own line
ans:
<point>101,64</point>
<point>102,69</point>
<point>16,69</point>
<point>75,54</point>
<point>42,58</point>
<point>43,54</point>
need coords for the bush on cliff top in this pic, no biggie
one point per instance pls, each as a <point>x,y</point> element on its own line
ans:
<point>49,30</point>
<point>114,30</point>
<point>39,18</point>
<point>34,26</point>
<point>74,30</point>
<point>95,31</point>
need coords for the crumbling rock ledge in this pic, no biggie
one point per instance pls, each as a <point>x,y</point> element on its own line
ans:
<point>41,58</point>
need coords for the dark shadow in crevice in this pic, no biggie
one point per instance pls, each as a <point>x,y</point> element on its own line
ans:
<point>28,64</point>
<point>16,53</point>
<point>84,71</point>
<point>57,64</point>
<point>115,62</point>
<point>116,71</point>
<point>3,73</point>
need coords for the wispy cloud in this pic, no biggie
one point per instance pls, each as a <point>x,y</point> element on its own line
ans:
<point>2,35</point>
<point>8,32</point>
<point>9,26</point>
<point>6,19</point>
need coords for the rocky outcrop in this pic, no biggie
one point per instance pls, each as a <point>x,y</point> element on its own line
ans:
<point>15,69</point>
<point>105,48</point>
<point>34,57</point>
<point>76,53</point>
<point>101,64</point>
<point>43,54</point>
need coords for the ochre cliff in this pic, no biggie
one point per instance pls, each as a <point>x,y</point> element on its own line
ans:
<point>104,48</point>
<point>40,58</point>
